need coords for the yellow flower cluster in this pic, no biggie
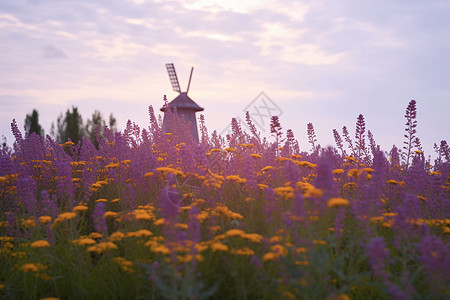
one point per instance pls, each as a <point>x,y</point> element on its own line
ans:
<point>40,244</point>
<point>285,192</point>
<point>236,178</point>
<point>102,247</point>
<point>337,202</point>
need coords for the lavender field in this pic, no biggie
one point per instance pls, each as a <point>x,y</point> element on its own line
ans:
<point>154,215</point>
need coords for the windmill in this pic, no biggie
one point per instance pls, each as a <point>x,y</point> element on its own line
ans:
<point>185,106</point>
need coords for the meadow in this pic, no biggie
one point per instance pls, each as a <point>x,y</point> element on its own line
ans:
<point>154,215</point>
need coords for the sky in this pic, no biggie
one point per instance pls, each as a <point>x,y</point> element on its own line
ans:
<point>321,61</point>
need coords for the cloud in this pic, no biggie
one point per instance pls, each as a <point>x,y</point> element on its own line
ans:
<point>287,44</point>
<point>10,22</point>
<point>51,52</point>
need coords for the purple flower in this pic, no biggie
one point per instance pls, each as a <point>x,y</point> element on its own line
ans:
<point>98,219</point>
<point>435,256</point>
<point>26,192</point>
<point>170,200</point>
<point>378,255</point>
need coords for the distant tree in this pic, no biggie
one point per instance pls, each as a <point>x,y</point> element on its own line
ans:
<point>32,123</point>
<point>69,126</point>
<point>95,127</point>
<point>112,123</point>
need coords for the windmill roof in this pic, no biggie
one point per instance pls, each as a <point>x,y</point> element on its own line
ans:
<point>182,101</point>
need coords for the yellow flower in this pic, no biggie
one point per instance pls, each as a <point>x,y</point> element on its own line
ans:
<point>169,170</point>
<point>275,239</point>
<point>300,250</point>
<point>160,222</point>
<point>28,223</point>
<point>102,247</point>
<point>376,219</point>
<point>215,150</point>
<point>390,214</point>
<point>279,250</point>
<point>110,214</point>
<point>80,208</point>
<point>3,179</point>
<point>285,192</point>
<point>235,232</point>
<point>139,233</point>
<point>50,298</point>
<point>313,193</point>
<point>236,178</point>
<point>161,249</point>
<point>262,186</point>
<point>124,263</point>
<point>95,235</point>
<point>218,246</point>
<point>243,251</point>
<point>267,168</point>
<point>269,256</point>
<point>350,185</point>
<point>338,171</point>
<point>181,226</point>
<point>349,158</point>
<point>101,200</point>
<point>304,163</point>
<point>395,182</point>
<point>112,166</point>
<point>368,170</point>
<point>29,268</point>
<point>40,244</point>
<point>319,242</point>
<point>45,219</point>
<point>337,202</point>
<point>68,143</point>
<point>229,149</point>
<point>256,155</point>
<point>254,237</point>
<point>421,198</point>
<point>66,216</point>
<point>116,236</point>
<point>352,173</point>
<point>115,200</point>
<point>85,241</point>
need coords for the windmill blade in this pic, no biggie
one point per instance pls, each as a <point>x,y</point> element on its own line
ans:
<point>173,77</point>
<point>190,77</point>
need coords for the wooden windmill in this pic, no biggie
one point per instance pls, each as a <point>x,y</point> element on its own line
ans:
<point>185,106</point>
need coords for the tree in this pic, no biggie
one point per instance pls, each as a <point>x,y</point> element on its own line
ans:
<point>32,123</point>
<point>95,127</point>
<point>71,127</point>
<point>112,123</point>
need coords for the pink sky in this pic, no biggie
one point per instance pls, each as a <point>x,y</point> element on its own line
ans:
<point>321,61</point>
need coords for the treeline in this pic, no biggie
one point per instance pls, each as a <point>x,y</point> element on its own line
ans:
<point>70,126</point>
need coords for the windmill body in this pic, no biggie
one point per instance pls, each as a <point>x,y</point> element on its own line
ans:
<point>185,106</point>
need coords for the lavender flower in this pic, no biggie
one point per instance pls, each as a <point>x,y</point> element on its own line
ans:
<point>98,219</point>
<point>435,256</point>
<point>378,256</point>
